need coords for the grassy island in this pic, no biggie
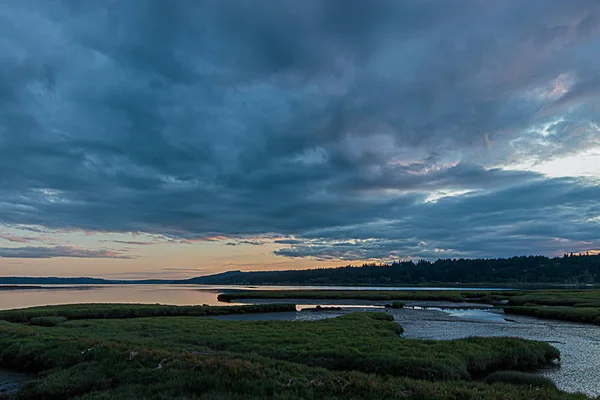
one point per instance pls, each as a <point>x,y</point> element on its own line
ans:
<point>125,311</point>
<point>567,305</point>
<point>378,295</point>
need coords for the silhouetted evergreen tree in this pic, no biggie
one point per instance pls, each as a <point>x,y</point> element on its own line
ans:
<point>569,269</point>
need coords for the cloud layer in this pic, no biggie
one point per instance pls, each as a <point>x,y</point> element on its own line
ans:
<point>368,130</point>
<point>56,251</point>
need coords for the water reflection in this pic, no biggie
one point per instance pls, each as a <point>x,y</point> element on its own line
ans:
<point>152,294</point>
<point>146,294</point>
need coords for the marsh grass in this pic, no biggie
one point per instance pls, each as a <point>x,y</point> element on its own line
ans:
<point>359,355</point>
<point>383,295</point>
<point>571,314</point>
<point>567,305</point>
<point>47,321</point>
<point>567,298</point>
<point>125,311</point>
<point>519,378</point>
<point>367,342</point>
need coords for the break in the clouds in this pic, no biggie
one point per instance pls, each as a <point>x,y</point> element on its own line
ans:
<point>347,129</point>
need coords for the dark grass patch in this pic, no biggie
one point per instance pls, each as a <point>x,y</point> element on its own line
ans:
<point>567,298</point>
<point>124,311</point>
<point>519,378</point>
<point>367,342</point>
<point>566,305</point>
<point>383,295</point>
<point>47,321</point>
<point>359,355</point>
<point>571,314</point>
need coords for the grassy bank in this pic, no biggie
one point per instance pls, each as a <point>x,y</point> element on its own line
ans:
<point>586,315</point>
<point>124,311</point>
<point>567,305</point>
<point>379,295</point>
<point>567,298</point>
<point>359,355</point>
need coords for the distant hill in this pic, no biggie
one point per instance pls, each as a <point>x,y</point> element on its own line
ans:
<point>216,279</point>
<point>525,270</point>
<point>572,270</point>
<point>23,280</point>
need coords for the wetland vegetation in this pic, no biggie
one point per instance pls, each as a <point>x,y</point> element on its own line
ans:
<point>359,355</point>
<point>124,311</point>
<point>379,295</point>
<point>568,305</point>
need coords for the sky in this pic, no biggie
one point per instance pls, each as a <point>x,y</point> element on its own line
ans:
<point>170,139</point>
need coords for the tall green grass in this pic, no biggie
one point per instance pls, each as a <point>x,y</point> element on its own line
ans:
<point>571,314</point>
<point>567,305</point>
<point>567,298</point>
<point>358,356</point>
<point>124,311</point>
<point>519,378</point>
<point>383,295</point>
<point>367,342</point>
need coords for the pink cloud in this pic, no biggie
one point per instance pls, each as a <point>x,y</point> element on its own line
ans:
<point>16,239</point>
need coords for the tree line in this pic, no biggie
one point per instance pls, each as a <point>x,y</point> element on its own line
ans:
<point>569,269</point>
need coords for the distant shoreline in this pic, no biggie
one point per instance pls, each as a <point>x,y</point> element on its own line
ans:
<point>37,287</point>
<point>519,272</point>
<point>15,283</point>
<point>19,287</point>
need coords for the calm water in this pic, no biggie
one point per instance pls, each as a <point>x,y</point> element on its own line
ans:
<point>148,294</point>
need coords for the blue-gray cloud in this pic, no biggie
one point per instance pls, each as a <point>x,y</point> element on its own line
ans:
<point>57,251</point>
<point>334,122</point>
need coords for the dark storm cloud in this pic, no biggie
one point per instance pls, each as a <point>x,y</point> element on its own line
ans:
<point>539,215</point>
<point>194,119</point>
<point>57,251</point>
